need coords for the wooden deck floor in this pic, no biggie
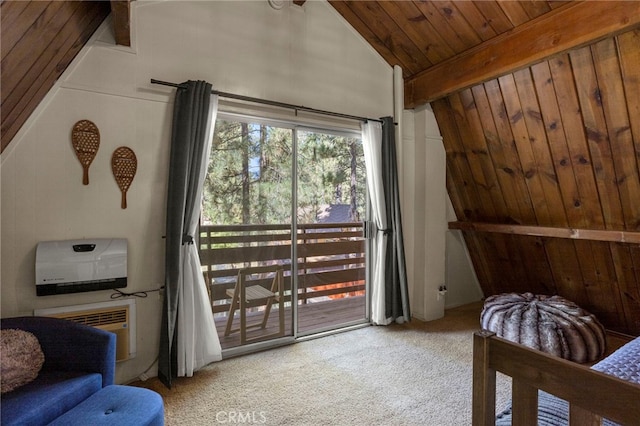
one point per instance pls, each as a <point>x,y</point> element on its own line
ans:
<point>311,317</point>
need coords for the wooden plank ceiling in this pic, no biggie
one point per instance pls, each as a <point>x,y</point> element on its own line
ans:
<point>538,103</point>
<point>39,39</point>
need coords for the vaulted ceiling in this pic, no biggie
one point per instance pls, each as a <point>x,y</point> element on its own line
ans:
<point>418,35</point>
<point>444,46</point>
<point>538,103</point>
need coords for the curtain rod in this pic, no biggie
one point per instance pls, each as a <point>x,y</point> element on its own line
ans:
<point>273,103</point>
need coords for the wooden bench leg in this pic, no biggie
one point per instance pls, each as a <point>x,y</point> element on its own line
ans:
<point>579,416</point>
<point>525,404</point>
<point>484,382</point>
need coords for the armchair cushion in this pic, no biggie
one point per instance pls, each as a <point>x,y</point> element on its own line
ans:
<point>49,396</point>
<point>69,346</point>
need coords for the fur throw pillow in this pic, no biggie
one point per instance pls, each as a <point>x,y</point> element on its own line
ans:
<point>21,358</point>
<point>550,324</point>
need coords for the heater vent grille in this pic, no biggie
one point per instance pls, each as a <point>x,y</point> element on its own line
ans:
<point>96,318</point>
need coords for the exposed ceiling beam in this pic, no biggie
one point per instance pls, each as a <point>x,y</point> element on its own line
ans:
<point>121,16</point>
<point>630,237</point>
<point>570,26</point>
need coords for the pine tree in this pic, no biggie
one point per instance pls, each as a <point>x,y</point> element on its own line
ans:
<point>249,174</point>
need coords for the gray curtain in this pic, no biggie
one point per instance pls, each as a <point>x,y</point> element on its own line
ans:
<point>188,143</point>
<point>396,286</point>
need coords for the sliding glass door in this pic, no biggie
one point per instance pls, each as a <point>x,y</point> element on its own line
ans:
<point>275,193</point>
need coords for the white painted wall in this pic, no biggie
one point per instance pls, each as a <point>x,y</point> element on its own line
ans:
<point>435,255</point>
<point>462,283</point>
<point>306,56</point>
<point>422,164</point>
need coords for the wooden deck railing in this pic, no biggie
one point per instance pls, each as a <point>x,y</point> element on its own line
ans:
<point>331,258</point>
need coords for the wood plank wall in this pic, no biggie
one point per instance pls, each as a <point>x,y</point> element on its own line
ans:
<point>39,39</point>
<point>556,144</point>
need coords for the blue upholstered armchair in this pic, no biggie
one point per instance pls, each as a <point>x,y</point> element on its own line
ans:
<point>78,361</point>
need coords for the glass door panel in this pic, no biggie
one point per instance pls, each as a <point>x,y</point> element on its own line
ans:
<point>331,251</point>
<point>245,231</point>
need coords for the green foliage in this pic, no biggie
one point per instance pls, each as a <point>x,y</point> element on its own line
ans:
<point>249,177</point>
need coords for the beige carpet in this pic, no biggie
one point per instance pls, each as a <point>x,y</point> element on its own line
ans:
<point>414,374</point>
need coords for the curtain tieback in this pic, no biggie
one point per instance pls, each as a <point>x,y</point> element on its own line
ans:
<point>187,239</point>
<point>386,231</point>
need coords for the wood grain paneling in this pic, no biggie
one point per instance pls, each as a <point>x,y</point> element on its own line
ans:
<point>560,137</point>
<point>551,33</point>
<point>418,34</point>
<point>38,40</point>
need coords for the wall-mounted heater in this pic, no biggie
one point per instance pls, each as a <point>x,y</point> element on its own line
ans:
<point>72,266</point>
<point>117,316</point>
